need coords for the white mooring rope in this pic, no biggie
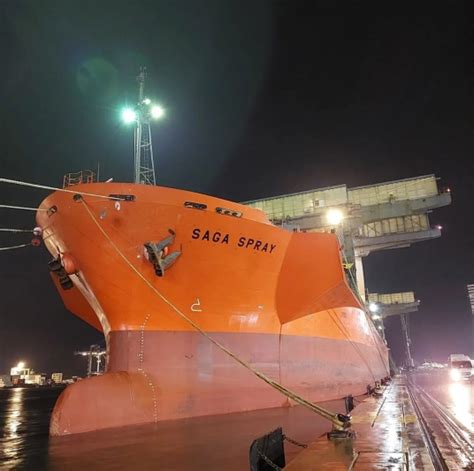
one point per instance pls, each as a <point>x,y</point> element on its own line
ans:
<point>25,208</point>
<point>53,188</point>
<point>331,416</point>
<point>15,230</point>
<point>12,247</point>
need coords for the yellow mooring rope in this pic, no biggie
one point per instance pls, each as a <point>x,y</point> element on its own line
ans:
<point>368,317</point>
<point>336,419</point>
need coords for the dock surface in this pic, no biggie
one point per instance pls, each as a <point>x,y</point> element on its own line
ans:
<point>403,429</point>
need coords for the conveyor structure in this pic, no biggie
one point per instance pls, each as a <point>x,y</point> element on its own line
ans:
<point>376,217</point>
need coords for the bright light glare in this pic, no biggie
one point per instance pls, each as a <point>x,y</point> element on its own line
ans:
<point>129,115</point>
<point>455,375</point>
<point>334,217</point>
<point>375,317</point>
<point>157,112</point>
<point>20,365</point>
<point>460,395</point>
<point>373,307</point>
<point>147,101</point>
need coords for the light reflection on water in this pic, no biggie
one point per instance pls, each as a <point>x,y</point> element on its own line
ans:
<point>219,442</point>
<point>24,417</point>
<point>199,443</point>
<point>12,422</point>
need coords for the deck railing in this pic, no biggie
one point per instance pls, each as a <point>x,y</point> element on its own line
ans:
<point>77,178</point>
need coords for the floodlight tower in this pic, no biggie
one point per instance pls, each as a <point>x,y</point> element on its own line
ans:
<point>142,115</point>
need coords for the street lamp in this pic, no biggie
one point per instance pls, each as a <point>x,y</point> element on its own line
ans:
<point>157,112</point>
<point>334,216</point>
<point>141,117</point>
<point>373,307</point>
<point>143,112</point>
<point>129,115</point>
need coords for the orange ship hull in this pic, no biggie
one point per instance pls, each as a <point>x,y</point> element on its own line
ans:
<point>277,299</point>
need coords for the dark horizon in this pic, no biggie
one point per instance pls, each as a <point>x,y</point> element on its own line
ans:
<point>263,98</point>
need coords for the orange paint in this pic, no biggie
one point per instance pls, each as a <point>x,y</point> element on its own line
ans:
<point>240,278</point>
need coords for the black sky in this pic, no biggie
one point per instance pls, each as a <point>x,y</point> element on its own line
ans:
<point>262,98</point>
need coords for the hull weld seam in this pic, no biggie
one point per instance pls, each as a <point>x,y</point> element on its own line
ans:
<point>141,359</point>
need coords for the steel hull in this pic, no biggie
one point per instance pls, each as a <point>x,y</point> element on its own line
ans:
<point>278,300</point>
<point>182,375</point>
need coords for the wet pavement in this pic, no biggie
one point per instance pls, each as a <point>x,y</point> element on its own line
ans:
<point>423,421</point>
<point>446,406</point>
<point>456,396</point>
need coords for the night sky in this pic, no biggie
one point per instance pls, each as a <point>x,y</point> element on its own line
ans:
<point>262,98</point>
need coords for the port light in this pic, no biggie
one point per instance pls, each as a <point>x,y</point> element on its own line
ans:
<point>334,216</point>
<point>455,375</point>
<point>16,370</point>
<point>373,307</point>
<point>129,115</point>
<point>157,112</point>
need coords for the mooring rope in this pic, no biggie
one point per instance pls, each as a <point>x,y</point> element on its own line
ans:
<point>12,247</point>
<point>83,193</point>
<point>25,208</point>
<point>331,416</point>
<point>15,230</point>
<point>368,317</point>
<point>339,324</point>
<point>53,188</point>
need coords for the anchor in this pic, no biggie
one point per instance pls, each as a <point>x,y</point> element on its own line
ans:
<point>158,254</point>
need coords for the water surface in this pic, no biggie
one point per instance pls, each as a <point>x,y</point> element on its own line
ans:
<point>203,443</point>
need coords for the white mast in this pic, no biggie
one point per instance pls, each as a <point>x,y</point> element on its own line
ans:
<point>141,115</point>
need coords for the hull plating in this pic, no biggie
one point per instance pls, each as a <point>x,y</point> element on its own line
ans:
<point>278,299</point>
<point>182,375</point>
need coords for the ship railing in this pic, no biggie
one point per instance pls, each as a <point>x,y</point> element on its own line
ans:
<point>78,178</point>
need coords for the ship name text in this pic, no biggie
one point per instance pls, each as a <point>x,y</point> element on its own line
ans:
<point>245,242</point>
